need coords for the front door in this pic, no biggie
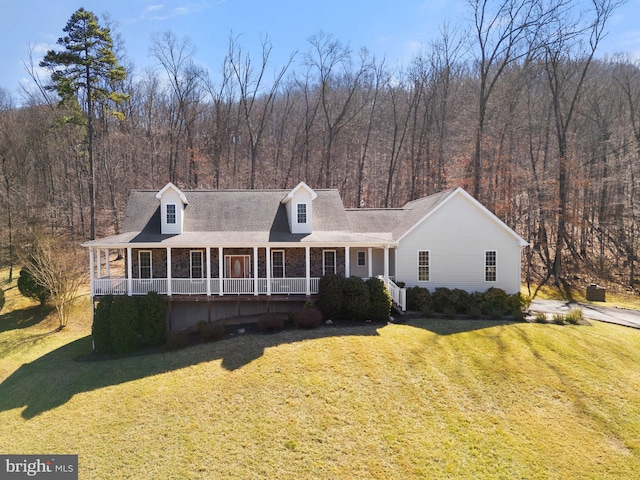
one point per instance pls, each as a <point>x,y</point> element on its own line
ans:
<point>238,266</point>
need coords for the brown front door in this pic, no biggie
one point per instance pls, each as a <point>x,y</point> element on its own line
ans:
<point>237,266</point>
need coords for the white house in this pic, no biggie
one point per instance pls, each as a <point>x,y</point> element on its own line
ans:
<point>217,253</point>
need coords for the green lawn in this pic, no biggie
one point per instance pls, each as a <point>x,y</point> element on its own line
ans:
<point>425,399</point>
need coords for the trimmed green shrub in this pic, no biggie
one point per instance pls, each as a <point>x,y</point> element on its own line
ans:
<point>496,299</point>
<point>379,300</point>
<point>153,319</point>
<point>443,299</point>
<point>30,288</point>
<point>462,300</point>
<point>518,303</point>
<point>355,299</point>
<point>125,322</point>
<point>330,296</point>
<point>101,329</point>
<point>418,298</point>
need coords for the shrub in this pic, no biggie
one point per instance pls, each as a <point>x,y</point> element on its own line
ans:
<point>355,299</point>
<point>443,299</point>
<point>418,298</point>
<point>449,311</point>
<point>474,311</point>
<point>212,330</point>
<point>379,300</point>
<point>30,288</point>
<point>574,316</point>
<point>101,329</point>
<point>558,318</point>
<point>462,300</point>
<point>496,299</point>
<point>153,319</point>
<point>330,296</point>
<point>271,322</point>
<point>540,317</point>
<point>176,340</point>
<point>124,324</point>
<point>308,317</point>
<point>518,303</point>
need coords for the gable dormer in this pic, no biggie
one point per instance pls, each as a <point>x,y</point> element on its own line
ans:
<point>299,208</point>
<point>172,205</point>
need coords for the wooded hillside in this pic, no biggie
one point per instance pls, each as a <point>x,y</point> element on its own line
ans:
<point>517,108</point>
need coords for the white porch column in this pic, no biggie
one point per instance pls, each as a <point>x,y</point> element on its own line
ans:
<point>98,252</point>
<point>129,272</point>
<point>370,261</point>
<point>91,271</point>
<point>347,270</point>
<point>255,271</point>
<point>169,271</point>
<point>268,253</point>
<point>108,272</point>
<point>307,267</point>
<point>221,270</point>
<point>208,255</point>
<point>386,262</point>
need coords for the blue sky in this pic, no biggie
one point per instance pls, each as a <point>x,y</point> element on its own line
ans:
<point>392,28</point>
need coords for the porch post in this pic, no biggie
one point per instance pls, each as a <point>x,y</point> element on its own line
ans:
<point>347,270</point>
<point>99,265</point>
<point>386,262</point>
<point>255,271</point>
<point>307,271</point>
<point>108,272</point>
<point>370,261</point>
<point>268,261</point>
<point>91,272</point>
<point>208,272</point>
<point>221,270</point>
<point>168,271</point>
<point>129,273</point>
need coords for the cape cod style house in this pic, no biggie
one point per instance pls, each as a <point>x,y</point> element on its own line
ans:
<point>220,253</point>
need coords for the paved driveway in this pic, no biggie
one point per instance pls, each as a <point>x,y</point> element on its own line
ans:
<point>619,316</point>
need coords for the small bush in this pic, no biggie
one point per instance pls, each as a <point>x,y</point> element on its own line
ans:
<point>271,322</point>
<point>540,317</point>
<point>449,311</point>
<point>427,311</point>
<point>125,323</point>
<point>153,319</point>
<point>307,318</point>
<point>558,318</point>
<point>443,299</point>
<point>330,296</point>
<point>212,330</point>
<point>518,303</point>
<point>355,299</point>
<point>462,300</point>
<point>474,311</point>
<point>574,316</point>
<point>496,313</point>
<point>177,340</point>
<point>496,299</point>
<point>418,298</point>
<point>379,300</point>
<point>101,329</point>
<point>28,287</point>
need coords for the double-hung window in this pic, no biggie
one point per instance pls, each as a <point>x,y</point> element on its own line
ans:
<point>277,263</point>
<point>490,266</point>
<point>328,262</point>
<point>171,213</point>
<point>197,270</point>
<point>423,265</point>
<point>362,258</point>
<point>302,213</point>
<point>144,264</point>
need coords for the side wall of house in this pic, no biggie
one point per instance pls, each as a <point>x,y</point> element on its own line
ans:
<point>457,237</point>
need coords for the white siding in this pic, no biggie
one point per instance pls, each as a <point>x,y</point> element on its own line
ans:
<point>301,195</point>
<point>168,197</point>
<point>457,236</point>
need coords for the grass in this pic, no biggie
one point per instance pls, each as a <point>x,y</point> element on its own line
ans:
<point>618,299</point>
<point>425,399</point>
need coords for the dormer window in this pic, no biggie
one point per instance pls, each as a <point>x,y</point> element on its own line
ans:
<point>302,213</point>
<point>171,213</point>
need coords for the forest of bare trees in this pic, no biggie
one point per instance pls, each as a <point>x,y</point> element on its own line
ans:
<point>517,107</point>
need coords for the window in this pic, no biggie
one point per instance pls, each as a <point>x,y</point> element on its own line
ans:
<point>490,263</point>
<point>362,258</point>
<point>144,264</point>
<point>302,213</point>
<point>328,262</point>
<point>277,263</point>
<point>171,213</point>
<point>197,270</point>
<point>423,265</point>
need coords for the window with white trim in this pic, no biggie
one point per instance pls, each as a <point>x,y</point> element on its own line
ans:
<point>171,213</point>
<point>145,267</point>
<point>277,263</point>
<point>423,265</point>
<point>197,264</point>
<point>362,258</point>
<point>302,213</point>
<point>328,262</point>
<point>490,266</point>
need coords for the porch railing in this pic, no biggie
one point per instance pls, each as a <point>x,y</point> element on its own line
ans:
<point>188,286</point>
<point>398,294</point>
